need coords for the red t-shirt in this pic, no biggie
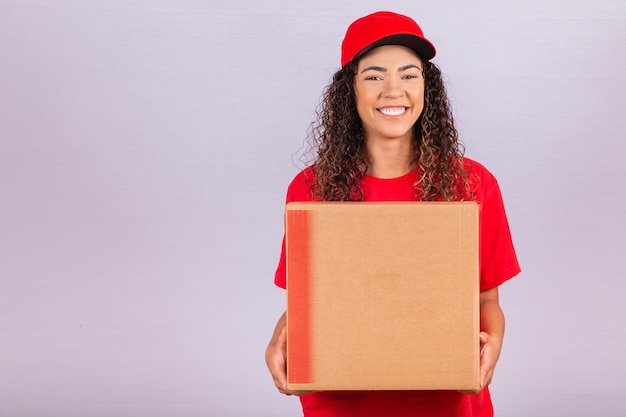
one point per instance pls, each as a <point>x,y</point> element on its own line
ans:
<point>498,263</point>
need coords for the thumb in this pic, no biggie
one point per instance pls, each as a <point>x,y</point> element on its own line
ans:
<point>282,339</point>
<point>282,345</point>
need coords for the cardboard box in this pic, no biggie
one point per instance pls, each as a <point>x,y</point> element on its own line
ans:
<point>382,296</point>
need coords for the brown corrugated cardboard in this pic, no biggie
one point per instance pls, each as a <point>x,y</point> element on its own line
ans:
<point>382,296</point>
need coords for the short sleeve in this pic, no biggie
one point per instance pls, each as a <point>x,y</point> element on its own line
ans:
<point>298,190</point>
<point>498,260</point>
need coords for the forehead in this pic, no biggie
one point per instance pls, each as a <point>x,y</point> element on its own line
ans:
<point>390,53</point>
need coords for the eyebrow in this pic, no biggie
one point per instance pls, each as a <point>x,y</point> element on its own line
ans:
<point>382,69</point>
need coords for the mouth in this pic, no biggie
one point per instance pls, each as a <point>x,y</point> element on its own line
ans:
<point>393,111</point>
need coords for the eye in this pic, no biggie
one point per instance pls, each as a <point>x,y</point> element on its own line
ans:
<point>410,76</point>
<point>373,78</point>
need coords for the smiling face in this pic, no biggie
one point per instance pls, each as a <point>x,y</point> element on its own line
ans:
<point>389,92</point>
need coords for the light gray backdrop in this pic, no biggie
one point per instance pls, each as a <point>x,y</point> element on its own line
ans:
<point>145,149</point>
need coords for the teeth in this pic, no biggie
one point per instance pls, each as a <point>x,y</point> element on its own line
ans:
<point>393,111</point>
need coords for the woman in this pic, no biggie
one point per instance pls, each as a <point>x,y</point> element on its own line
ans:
<point>385,132</point>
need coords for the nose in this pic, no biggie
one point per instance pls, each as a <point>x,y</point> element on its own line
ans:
<point>393,88</point>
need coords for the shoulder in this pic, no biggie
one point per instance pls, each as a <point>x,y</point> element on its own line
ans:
<point>482,182</point>
<point>300,187</point>
<point>481,179</point>
<point>477,169</point>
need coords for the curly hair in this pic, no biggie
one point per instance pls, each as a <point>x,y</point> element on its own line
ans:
<point>337,135</point>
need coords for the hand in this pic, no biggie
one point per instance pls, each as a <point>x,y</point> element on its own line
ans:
<point>488,357</point>
<point>276,359</point>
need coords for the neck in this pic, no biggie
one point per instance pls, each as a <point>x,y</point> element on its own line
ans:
<point>389,160</point>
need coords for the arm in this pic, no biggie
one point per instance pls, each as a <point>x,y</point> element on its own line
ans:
<point>491,335</point>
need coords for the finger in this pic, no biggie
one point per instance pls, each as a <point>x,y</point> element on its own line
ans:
<point>282,343</point>
<point>282,339</point>
<point>484,378</point>
<point>485,360</point>
<point>280,386</point>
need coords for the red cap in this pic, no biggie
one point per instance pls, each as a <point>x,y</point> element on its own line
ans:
<point>384,28</point>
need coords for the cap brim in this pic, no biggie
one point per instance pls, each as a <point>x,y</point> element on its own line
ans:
<point>424,49</point>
